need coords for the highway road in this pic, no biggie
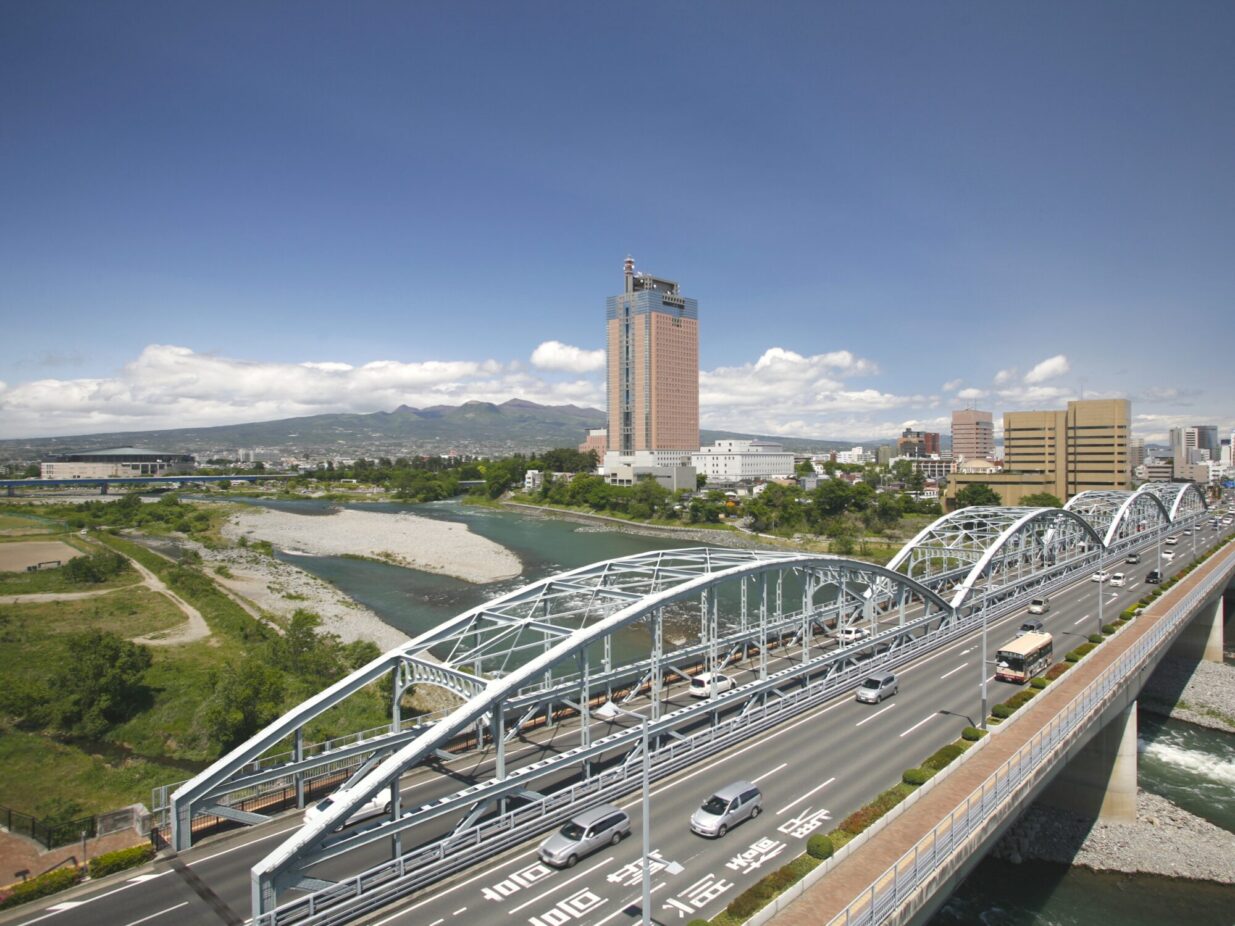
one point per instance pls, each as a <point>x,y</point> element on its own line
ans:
<point>813,772</point>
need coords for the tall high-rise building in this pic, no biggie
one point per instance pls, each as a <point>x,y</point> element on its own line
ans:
<point>653,366</point>
<point>973,434</point>
<point>913,443</point>
<point>1061,453</point>
<point>1194,444</point>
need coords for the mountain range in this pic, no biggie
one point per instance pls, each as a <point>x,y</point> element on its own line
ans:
<point>473,427</point>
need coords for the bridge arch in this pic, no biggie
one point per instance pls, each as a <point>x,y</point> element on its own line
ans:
<point>1181,499</point>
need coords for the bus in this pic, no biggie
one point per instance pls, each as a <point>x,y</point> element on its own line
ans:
<point>1026,656</point>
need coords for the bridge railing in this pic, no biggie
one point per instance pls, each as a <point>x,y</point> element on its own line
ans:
<point>933,858</point>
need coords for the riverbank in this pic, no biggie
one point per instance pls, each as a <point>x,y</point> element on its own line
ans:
<point>1202,693</point>
<point>401,539</point>
<point>690,535</point>
<point>1165,840</point>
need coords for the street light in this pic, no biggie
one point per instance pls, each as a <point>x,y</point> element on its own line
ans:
<point>610,711</point>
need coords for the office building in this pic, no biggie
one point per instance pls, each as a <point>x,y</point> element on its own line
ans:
<point>597,441</point>
<point>669,470</point>
<point>1060,452</point>
<point>1153,470</point>
<point>729,461</point>
<point>917,443</point>
<point>973,434</point>
<point>653,366</point>
<point>1136,452</point>
<point>118,462</point>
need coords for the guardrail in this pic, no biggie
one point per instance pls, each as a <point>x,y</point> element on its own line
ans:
<point>932,859</point>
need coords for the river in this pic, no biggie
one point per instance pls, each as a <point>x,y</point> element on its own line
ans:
<point>1193,767</point>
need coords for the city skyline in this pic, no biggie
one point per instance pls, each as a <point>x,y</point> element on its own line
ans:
<point>889,215</point>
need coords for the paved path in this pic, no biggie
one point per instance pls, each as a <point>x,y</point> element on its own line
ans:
<point>850,879</point>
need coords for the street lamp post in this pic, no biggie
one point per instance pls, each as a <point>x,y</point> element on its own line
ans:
<point>608,711</point>
<point>982,662</point>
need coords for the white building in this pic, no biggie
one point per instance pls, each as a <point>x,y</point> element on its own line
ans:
<point>729,461</point>
<point>854,455</point>
<point>533,479</point>
<point>669,468</point>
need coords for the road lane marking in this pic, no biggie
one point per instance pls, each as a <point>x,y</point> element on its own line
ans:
<point>66,905</point>
<point>145,919</point>
<point>953,671</point>
<point>460,910</point>
<point>556,887</point>
<point>806,795</point>
<point>920,722</point>
<point>756,781</point>
<point>1081,621</point>
<point>622,908</point>
<point>876,714</point>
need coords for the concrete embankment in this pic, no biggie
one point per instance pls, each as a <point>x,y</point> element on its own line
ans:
<point>1165,840</point>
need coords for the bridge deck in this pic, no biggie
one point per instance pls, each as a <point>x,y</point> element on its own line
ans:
<point>845,883</point>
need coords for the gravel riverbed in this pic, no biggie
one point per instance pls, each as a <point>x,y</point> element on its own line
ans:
<point>1165,840</point>
<point>1202,693</point>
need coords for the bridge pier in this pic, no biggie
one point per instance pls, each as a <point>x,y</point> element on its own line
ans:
<point>1201,638</point>
<point>1101,780</point>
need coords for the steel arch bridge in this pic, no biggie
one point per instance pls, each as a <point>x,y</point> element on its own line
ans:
<point>1181,499</point>
<point>540,658</point>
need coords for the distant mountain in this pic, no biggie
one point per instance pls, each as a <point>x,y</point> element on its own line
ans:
<point>473,427</point>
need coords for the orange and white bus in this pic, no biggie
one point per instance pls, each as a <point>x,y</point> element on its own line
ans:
<point>1026,656</point>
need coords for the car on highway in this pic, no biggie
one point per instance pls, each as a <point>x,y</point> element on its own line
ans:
<point>1100,576</point>
<point>1132,559</point>
<point>1118,579</point>
<point>1171,541</point>
<point>583,834</point>
<point>701,685</point>
<point>1168,555</point>
<point>852,634</point>
<point>1153,578</point>
<point>377,804</point>
<point>726,808</point>
<point>1039,606</point>
<point>877,687</point>
<point>1030,626</point>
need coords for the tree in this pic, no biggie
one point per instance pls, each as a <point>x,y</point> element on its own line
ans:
<point>244,699</point>
<point>701,480</point>
<point>1041,500</point>
<point>99,683</point>
<point>977,493</point>
<point>805,468</point>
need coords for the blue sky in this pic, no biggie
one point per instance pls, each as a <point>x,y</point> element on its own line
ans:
<point>240,211</point>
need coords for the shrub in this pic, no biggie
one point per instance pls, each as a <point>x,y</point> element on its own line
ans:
<point>943,756</point>
<point>49,883</point>
<point>1039,683</point>
<point>750,901</point>
<point>1002,711</point>
<point>819,846</point>
<point>111,862</point>
<point>1109,629</point>
<point>698,922</point>
<point>1129,613</point>
<point>1057,670</point>
<point>916,776</point>
<point>972,734</point>
<point>1096,638</point>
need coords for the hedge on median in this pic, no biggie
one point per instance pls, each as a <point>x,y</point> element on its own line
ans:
<point>111,862</point>
<point>51,882</point>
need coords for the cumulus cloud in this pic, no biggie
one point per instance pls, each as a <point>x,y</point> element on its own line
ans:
<point>565,358</point>
<point>1005,376</point>
<point>1049,368</point>
<point>953,384</point>
<point>971,393</point>
<point>168,386</point>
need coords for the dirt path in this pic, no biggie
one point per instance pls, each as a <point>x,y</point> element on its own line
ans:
<point>38,597</point>
<point>195,629</point>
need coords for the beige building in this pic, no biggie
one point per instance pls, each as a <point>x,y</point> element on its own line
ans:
<point>973,435</point>
<point>116,463</point>
<point>597,440</point>
<point>1061,452</point>
<point>653,366</point>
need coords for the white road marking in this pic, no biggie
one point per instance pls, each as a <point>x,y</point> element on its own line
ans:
<point>66,905</point>
<point>555,887</point>
<point>140,878</point>
<point>876,714</point>
<point>920,722</point>
<point>145,919</point>
<point>806,795</point>
<point>1081,621</point>
<point>953,671</point>
<point>756,781</point>
<point>623,907</point>
<point>460,910</point>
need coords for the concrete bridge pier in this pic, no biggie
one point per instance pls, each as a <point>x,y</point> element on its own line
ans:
<point>1100,781</point>
<point>1201,637</point>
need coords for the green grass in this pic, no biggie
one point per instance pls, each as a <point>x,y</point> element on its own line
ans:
<point>47,581</point>
<point>23,522</point>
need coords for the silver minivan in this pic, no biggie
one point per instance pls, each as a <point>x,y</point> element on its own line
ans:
<point>727,808</point>
<point>877,687</point>
<point>584,833</point>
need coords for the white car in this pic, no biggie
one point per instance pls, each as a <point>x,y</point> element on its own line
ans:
<point>377,804</point>
<point>1119,580</point>
<point>701,685</point>
<point>1100,576</point>
<point>1171,541</point>
<point>852,634</point>
<point>1168,555</point>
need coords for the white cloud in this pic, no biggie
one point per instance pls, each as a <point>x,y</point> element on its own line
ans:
<point>554,355</point>
<point>953,384</point>
<point>1049,368</point>
<point>971,393</point>
<point>169,386</point>
<point>1005,376</point>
